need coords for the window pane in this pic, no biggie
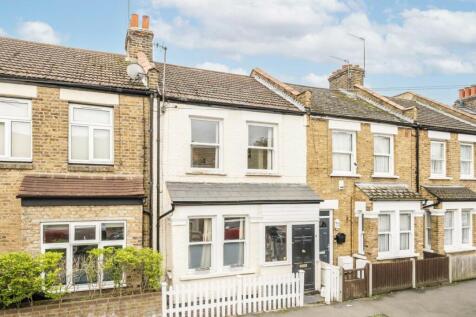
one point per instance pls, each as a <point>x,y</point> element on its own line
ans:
<point>341,162</point>
<point>384,223</point>
<point>382,145</point>
<point>275,239</point>
<point>112,231</point>
<point>61,264</point>
<point>260,136</point>
<point>260,159</point>
<point>199,256</point>
<point>449,219</point>
<point>200,230</point>
<point>466,168</point>
<point>404,241</point>
<point>80,255</point>
<point>466,154</point>
<point>233,254</point>
<point>465,237</point>
<point>84,232</point>
<point>437,151</point>
<point>466,221</point>
<point>102,144</point>
<point>13,109</point>
<point>204,157</point>
<point>437,167</point>
<point>55,233</point>
<point>383,242</point>
<point>2,138</point>
<point>93,116</point>
<point>79,143</point>
<point>341,142</point>
<point>21,139</point>
<point>449,237</point>
<point>204,131</point>
<point>382,164</point>
<point>405,222</point>
<point>234,229</point>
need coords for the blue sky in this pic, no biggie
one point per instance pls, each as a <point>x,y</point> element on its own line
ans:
<point>425,46</point>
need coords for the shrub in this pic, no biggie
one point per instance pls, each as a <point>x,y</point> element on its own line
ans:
<point>22,276</point>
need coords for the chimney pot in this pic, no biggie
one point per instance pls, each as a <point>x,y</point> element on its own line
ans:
<point>461,93</point>
<point>145,22</point>
<point>467,92</point>
<point>134,23</point>
<point>473,91</point>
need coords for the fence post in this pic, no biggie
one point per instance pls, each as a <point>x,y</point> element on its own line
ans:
<point>370,279</point>
<point>413,272</point>
<point>341,284</point>
<point>450,269</point>
<point>319,275</point>
<point>164,299</point>
<point>301,288</point>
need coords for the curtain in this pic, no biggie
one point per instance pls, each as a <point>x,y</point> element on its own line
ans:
<point>205,261</point>
<point>342,162</point>
<point>341,142</point>
<point>21,139</point>
<point>79,143</point>
<point>2,138</point>
<point>466,159</point>
<point>382,164</point>
<point>102,144</point>
<point>405,226</point>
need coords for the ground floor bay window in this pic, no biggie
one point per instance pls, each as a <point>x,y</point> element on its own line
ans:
<point>74,240</point>
<point>395,234</point>
<point>458,227</point>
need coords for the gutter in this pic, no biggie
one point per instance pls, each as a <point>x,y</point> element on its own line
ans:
<point>434,204</point>
<point>168,212</point>
<point>247,202</point>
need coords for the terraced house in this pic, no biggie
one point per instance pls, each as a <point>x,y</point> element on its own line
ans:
<point>74,148</point>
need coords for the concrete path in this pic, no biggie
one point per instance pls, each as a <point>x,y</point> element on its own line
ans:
<point>458,299</point>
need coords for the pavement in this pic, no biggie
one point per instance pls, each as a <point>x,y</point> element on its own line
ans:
<point>455,300</point>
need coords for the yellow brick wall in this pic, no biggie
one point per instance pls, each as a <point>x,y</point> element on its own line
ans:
<point>50,154</point>
<point>319,166</point>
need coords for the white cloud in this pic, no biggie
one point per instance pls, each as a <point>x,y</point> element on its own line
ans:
<point>38,31</point>
<point>413,42</point>
<point>2,32</point>
<point>221,68</point>
<point>317,80</point>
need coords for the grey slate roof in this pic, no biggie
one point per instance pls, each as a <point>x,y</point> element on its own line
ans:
<point>428,117</point>
<point>333,102</point>
<point>185,193</point>
<point>452,193</point>
<point>468,106</point>
<point>388,192</point>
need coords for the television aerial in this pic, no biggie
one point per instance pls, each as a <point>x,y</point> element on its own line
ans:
<point>137,73</point>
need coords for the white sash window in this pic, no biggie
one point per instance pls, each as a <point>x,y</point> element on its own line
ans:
<point>15,130</point>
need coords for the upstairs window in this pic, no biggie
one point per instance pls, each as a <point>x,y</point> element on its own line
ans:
<point>343,152</point>
<point>438,159</point>
<point>261,147</point>
<point>467,160</point>
<point>205,143</point>
<point>15,130</point>
<point>91,135</point>
<point>383,155</point>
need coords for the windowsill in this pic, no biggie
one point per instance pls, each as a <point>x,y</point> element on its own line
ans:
<point>91,163</point>
<point>277,263</point>
<point>467,178</point>
<point>459,249</point>
<point>206,172</point>
<point>359,256</point>
<point>76,167</point>
<point>428,250</point>
<point>399,256</point>
<point>262,173</point>
<point>204,275</point>
<point>440,178</point>
<point>385,176</point>
<point>338,174</point>
<point>20,165</point>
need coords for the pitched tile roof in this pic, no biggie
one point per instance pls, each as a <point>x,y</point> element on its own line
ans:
<point>192,84</point>
<point>452,193</point>
<point>62,186</point>
<point>240,193</point>
<point>332,102</point>
<point>388,192</point>
<point>430,117</point>
<point>469,107</point>
<point>30,60</point>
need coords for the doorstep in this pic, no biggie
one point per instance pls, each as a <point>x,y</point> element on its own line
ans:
<point>312,298</point>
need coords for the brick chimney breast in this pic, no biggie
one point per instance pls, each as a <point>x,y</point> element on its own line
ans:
<point>346,77</point>
<point>139,39</point>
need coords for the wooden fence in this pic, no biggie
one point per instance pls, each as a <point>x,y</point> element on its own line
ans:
<point>463,267</point>
<point>432,270</point>
<point>355,283</point>
<point>233,296</point>
<point>387,277</point>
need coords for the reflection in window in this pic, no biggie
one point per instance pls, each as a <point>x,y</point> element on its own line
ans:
<point>55,233</point>
<point>260,147</point>
<point>276,247</point>
<point>205,143</point>
<point>200,243</point>
<point>80,257</point>
<point>234,242</point>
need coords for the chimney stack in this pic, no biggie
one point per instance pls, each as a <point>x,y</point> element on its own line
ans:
<point>467,92</point>
<point>346,77</point>
<point>139,39</point>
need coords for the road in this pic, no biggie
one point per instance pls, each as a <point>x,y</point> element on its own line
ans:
<point>458,299</point>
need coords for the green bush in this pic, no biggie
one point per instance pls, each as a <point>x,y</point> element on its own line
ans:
<point>22,276</point>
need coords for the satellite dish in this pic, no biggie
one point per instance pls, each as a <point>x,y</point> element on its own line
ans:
<point>137,73</point>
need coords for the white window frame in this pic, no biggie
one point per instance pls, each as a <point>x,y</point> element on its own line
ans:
<point>469,227</point>
<point>218,145</point>
<point>391,161</point>
<point>273,149</point>
<point>288,244</point>
<point>389,233</point>
<point>452,228</point>
<point>68,246</point>
<point>394,247</point>
<point>427,230</point>
<point>244,241</point>
<point>91,128</point>
<point>212,244</point>
<point>8,129</point>
<point>361,232</point>
<point>443,172</point>
<point>471,173</point>
<point>353,154</point>
<point>409,232</point>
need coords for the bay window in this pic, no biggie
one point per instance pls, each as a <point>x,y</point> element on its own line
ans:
<point>466,226</point>
<point>205,143</point>
<point>15,130</point>
<point>276,243</point>
<point>234,241</point>
<point>383,155</point>
<point>200,244</point>
<point>91,135</point>
<point>395,233</point>
<point>384,232</point>
<point>74,240</point>
<point>361,233</point>
<point>261,147</point>
<point>343,152</point>
<point>427,230</point>
<point>467,160</point>
<point>405,231</point>
<point>458,226</point>
<point>438,159</point>
<point>449,227</point>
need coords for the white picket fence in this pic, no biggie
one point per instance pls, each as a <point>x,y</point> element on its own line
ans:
<point>331,282</point>
<point>234,296</point>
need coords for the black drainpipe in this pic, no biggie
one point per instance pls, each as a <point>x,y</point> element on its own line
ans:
<point>417,145</point>
<point>158,170</point>
<point>151,165</point>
